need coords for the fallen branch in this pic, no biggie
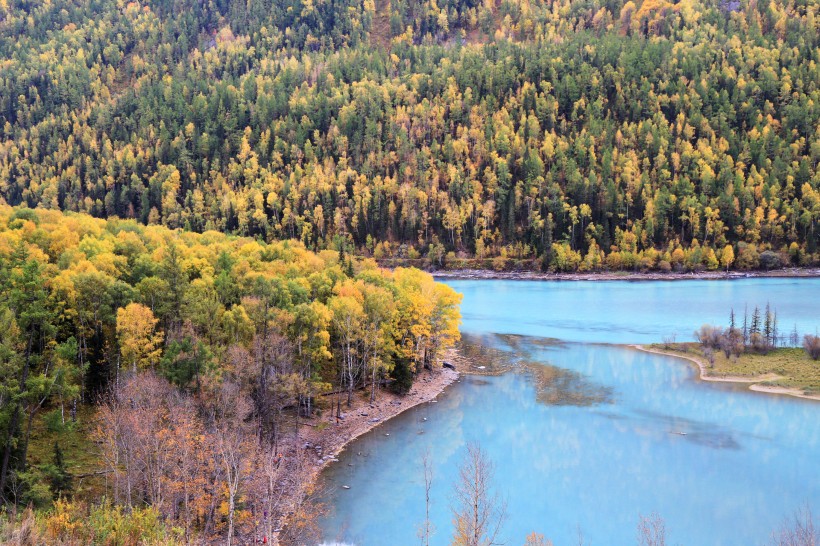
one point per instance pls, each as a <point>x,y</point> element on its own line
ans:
<point>89,474</point>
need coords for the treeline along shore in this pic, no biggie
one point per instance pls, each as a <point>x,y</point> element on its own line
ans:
<point>527,275</point>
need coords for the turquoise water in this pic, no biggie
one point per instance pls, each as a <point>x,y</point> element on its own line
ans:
<point>630,311</point>
<point>609,450</point>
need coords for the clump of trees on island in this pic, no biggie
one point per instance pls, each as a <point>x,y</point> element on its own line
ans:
<point>200,354</point>
<point>759,332</point>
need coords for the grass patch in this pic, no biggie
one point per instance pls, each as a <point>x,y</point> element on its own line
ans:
<point>81,454</point>
<point>792,366</point>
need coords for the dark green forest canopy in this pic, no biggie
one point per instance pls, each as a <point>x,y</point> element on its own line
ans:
<point>586,134</point>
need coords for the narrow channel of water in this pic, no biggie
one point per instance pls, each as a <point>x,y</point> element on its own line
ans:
<point>587,436</point>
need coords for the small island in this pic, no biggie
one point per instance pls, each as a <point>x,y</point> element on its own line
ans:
<point>753,353</point>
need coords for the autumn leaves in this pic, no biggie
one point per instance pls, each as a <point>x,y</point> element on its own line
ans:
<point>140,344</point>
<point>204,352</point>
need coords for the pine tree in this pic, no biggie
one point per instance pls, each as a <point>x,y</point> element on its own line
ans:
<point>755,327</point>
<point>61,479</point>
<point>754,330</point>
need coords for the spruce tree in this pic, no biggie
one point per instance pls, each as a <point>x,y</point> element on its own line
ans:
<point>61,479</point>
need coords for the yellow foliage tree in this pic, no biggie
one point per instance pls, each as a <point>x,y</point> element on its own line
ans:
<point>140,343</point>
<point>727,256</point>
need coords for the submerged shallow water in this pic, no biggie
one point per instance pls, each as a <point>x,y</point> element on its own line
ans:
<point>586,436</point>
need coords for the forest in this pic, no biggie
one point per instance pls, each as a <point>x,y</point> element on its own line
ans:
<point>196,197</point>
<point>189,359</point>
<point>586,135</point>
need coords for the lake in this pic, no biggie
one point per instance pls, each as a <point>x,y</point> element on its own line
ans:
<point>584,435</point>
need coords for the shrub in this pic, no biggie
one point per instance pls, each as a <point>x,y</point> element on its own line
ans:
<point>770,260</point>
<point>747,257</point>
<point>812,346</point>
<point>709,336</point>
<point>76,523</point>
<point>499,263</point>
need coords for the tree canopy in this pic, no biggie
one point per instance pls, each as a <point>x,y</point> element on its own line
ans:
<point>183,335</point>
<point>582,135</point>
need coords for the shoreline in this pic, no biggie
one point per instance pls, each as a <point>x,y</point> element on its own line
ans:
<point>524,275</point>
<point>752,382</point>
<point>322,440</point>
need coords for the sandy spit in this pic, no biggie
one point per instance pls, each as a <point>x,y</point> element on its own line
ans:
<point>753,382</point>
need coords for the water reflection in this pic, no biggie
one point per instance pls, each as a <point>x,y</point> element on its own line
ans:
<point>559,387</point>
<point>504,353</point>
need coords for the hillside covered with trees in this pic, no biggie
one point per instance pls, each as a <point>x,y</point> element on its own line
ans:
<point>199,354</point>
<point>570,135</point>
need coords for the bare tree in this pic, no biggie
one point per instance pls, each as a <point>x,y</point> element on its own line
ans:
<point>580,536</point>
<point>426,529</point>
<point>307,508</point>
<point>800,530</point>
<point>651,530</point>
<point>234,450</point>
<point>709,354</point>
<point>794,337</point>
<point>812,346</point>
<point>536,539</point>
<point>478,512</point>
<point>711,337</point>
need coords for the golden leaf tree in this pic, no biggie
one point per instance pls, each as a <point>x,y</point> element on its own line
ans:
<point>140,343</point>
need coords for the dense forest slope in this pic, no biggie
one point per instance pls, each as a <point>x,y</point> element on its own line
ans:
<point>656,133</point>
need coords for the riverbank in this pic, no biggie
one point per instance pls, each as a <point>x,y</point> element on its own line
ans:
<point>321,440</point>
<point>755,383</point>
<point>486,274</point>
